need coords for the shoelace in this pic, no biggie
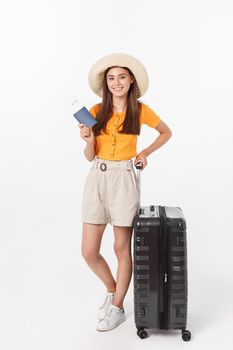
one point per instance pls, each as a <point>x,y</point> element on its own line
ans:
<point>107,316</point>
<point>107,299</point>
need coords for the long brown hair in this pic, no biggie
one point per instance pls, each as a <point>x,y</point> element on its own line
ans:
<point>131,124</point>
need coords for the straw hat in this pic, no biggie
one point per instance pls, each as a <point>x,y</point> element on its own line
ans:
<point>96,73</point>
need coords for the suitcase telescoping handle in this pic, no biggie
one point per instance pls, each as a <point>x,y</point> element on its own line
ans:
<point>138,167</point>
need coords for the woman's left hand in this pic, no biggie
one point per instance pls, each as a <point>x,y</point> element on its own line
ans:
<point>141,157</point>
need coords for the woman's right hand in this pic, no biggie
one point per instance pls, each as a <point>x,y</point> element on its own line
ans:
<point>86,133</point>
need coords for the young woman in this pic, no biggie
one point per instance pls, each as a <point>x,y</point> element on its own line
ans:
<point>111,194</point>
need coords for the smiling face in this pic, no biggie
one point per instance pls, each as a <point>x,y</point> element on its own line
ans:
<point>119,81</point>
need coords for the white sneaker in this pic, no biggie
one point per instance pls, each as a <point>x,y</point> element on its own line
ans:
<point>113,318</point>
<point>107,302</point>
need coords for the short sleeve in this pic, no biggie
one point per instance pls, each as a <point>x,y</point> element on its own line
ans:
<point>148,116</point>
<point>94,110</point>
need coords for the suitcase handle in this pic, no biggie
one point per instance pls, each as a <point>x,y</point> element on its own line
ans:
<point>138,166</point>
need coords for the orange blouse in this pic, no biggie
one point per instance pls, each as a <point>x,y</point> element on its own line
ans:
<point>116,146</point>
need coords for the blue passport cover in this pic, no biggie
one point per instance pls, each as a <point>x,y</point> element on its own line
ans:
<point>85,117</point>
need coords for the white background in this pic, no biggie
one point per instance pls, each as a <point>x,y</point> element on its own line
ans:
<point>48,295</point>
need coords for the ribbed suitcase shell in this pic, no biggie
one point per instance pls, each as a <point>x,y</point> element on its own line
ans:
<point>160,268</point>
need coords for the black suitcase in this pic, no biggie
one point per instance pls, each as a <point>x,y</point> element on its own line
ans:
<point>160,269</point>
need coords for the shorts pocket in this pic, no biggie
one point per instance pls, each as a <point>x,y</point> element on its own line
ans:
<point>133,179</point>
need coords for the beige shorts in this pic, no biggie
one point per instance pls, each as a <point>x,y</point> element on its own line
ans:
<point>110,193</point>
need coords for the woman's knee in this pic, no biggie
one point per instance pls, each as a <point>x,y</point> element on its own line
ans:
<point>91,241</point>
<point>90,255</point>
<point>122,250</point>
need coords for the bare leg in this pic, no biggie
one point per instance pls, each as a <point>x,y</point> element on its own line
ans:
<point>122,247</point>
<point>91,241</point>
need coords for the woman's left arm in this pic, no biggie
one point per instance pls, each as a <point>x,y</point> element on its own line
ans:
<point>164,135</point>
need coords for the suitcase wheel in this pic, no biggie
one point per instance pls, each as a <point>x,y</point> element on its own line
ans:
<point>186,335</point>
<point>142,333</point>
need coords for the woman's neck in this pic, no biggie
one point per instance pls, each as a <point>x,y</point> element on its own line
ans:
<point>119,104</point>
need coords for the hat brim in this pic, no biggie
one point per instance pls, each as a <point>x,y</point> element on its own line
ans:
<point>96,73</point>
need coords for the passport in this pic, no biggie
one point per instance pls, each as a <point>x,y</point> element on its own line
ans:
<point>84,117</point>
